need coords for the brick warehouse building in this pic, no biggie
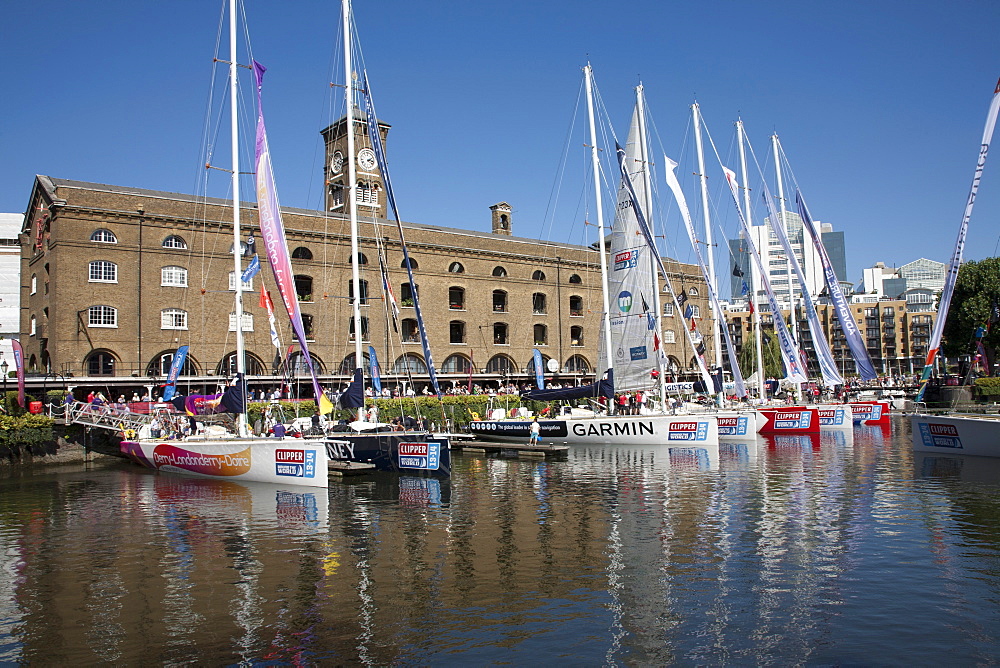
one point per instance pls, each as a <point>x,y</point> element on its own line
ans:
<point>115,279</point>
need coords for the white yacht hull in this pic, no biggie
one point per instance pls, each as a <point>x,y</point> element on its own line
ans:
<point>960,435</point>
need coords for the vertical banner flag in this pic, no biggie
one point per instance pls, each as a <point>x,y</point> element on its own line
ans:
<point>536,357</point>
<point>956,258</point>
<point>176,364</point>
<point>376,141</point>
<point>273,231</point>
<point>376,373</point>
<point>19,369</point>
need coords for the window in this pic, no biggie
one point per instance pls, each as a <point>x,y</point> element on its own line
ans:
<point>668,309</point>
<point>363,284</point>
<point>538,303</point>
<point>227,366</point>
<point>364,329</point>
<point>575,279</point>
<point>456,331</point>
<point>408,330</point>
<point>302,253</point>
<point>247,322</point>
<point>500,334</point>
<point>307,326</point>
<point>102,316</point>
<point>34,283</point>
<point>693,292</point>
<point>499,272</point>
<point>500,364</point>
<point>576,335</point>
<point>102,271</point>
<point>413,264</point>
<point>409,363</point>
<point>499,301</point>
<point>695,311</point>
<point>174,241</point>
<point>577,364</point>
<point>538,275</point>
<point>104,236</point>
<point>362,259</point>
<point>32,328</point>
<point>304,288</point>
<point>367,194</point>
<point>576,305</point>
<point>175,277</point>
<point>348,366</point>
<point>456,364</point>
<point>173,318</point>
<point>100,364</point>
<point>531,365</point>
<point>456,298</point>
<point>456,268</point>
<point>541,335</point>
<point>669,336</point>
<point>247,285</point>
<point>406,294</point>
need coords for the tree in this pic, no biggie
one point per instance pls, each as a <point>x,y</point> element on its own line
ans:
<point>773,366</point>
<point>976,290</point>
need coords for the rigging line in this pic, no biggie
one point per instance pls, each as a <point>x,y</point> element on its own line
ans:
<point>555,191</point>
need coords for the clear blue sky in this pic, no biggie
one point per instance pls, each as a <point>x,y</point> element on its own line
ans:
<point>880,105</point>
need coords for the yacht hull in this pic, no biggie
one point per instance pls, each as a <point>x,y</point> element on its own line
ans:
<point>606,429</point>
<point>954,434</point>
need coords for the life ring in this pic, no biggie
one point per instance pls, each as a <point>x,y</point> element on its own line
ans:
<point>475,416</point>
<point>130,434</point>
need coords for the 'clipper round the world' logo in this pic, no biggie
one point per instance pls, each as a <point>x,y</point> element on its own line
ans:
<point>624,301</point>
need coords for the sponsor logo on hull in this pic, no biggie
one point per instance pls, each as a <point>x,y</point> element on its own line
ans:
<point>733,426</point>
<point>426,456</point>
<point>831,417</point>
<point>940,436</point>
<point>295,463</point>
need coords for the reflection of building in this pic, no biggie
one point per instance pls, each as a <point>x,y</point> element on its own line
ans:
<point>10,281</point>
<point>116,279</point>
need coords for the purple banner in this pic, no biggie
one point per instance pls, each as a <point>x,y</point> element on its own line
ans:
<point>19,369</point>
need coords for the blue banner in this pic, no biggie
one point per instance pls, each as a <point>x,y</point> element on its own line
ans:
<point>376,141</point>
<point>854,341</point>
<point>376,373</point>
<point>175,370</point>
<point>539,369</point>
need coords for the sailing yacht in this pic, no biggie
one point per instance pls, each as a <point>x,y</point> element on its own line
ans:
<point>630,346</point>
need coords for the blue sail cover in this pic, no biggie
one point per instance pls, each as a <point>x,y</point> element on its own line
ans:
<point>604,387</point>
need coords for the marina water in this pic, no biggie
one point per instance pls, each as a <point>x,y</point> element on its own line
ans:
<point>843,549</point>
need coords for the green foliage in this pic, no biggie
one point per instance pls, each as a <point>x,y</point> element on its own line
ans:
<point>977,287</point>
<point>10,405</point>
<point>773,366</point>
<point>24,431</point>
<point>988,387</point>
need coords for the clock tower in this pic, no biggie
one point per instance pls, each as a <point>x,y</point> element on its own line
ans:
<point>371,191</point>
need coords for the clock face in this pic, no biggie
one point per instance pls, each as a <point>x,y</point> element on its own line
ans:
<point>366,159</point>
<point>336,162</point>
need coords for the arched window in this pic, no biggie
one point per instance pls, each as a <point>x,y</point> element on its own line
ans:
<point>408,331</point>
<point>174,276</point>
<point>409,363</point>
<point>575,278</point>
<point>405,294</point>
<point>302,253</point>
<point>363,284</point>
<point>102,316</point>
<point>34,283</point>
<point>100,363</point>
<point>362,259</point>
<point>501,364</point>
<point>33,326</point>
<point>456,268</point>
<point>538,275</point>
<point>499,301</point>
<point>304,288</point>
<point>173,318</point>
<point>576,305</point>
<point>538,306</point>
<point>413,263</point>
<point>160,365</point>
<point>695,311</point>
<point>227,365</point>
<point>576,335</point>
<point>531,365</point>
<point>456,331</point>
<point>247,285</point>
<point>104,236</point>
<point>456,364</point>
<point>577,364</point>
<point>456,298</point>
<point>692,292</point>
<point>299,365</point>
<point>499,272</point>
<point>247,322</point>
<point>174,241</point>
<point>348,365</point>
<point>541,335</point>
<point>500,334</point>
<point>364,329</point>
<point>102,271</point>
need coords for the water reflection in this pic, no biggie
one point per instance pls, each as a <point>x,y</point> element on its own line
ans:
<point>838,548</point>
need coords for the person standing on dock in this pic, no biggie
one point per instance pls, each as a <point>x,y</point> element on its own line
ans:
<point>536,431</point>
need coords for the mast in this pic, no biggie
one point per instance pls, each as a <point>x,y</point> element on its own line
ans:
<point>703,178</point>
<point>352,180</point>
<point>788,260</point>
<point>640,102</point>
<point>241,418</point>
<point>754,279</point>
<point>596,163</point>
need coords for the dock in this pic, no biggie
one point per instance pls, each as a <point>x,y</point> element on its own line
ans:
<point>343,469</point>
<point>518,450</point>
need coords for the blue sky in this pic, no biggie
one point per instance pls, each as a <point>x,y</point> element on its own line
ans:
<point>880,105</point>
